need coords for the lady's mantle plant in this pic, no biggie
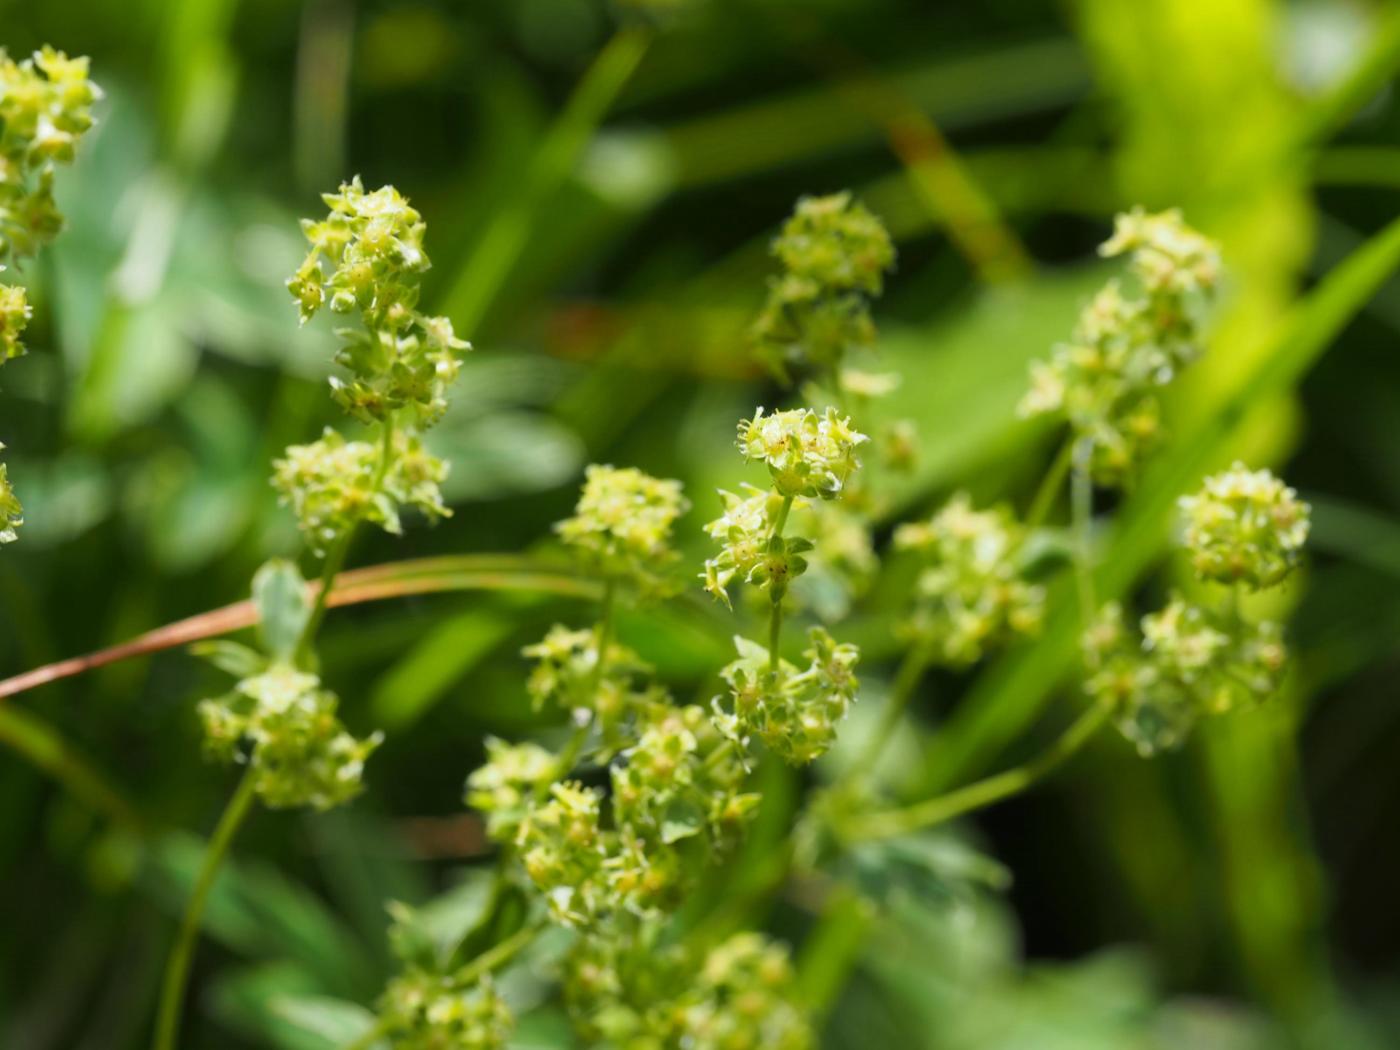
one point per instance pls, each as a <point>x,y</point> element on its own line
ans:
<point>280,721</point>
<point>1244,531</point>
<point>1131,341</point>
<point>45,108</point>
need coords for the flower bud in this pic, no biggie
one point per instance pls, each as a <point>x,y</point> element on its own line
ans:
<point>1245,527</point>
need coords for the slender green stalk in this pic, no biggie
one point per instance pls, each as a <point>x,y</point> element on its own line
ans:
<point>983,793</point>
<point>497,956</point>
<point>780,522</point>
<point>604,633</point>
<point>488,961</point>
<point>500,245</point>
<point>335,556</point>
<point>330,568</point>
<point>775,614</point>
<point>177,967</point>
<point>1049,488</point>
<point>46,748</point>
<point>775,633</point>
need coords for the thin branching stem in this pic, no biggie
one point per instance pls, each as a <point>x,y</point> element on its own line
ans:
<point>983,793</point>
<point>177,967</point>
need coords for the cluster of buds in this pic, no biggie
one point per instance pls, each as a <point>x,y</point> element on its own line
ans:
<point>1129,343</point>
<point>810,457</point>
<point>15,312</point>
<point>1191,661</point>
<point>367,260</point>
<point>834,255</point>
<point>11,513</point>
<point>431,1005</point>
<point>283,724</point>
<point>332,484</point>
<point>622,525</point>
<point>681,780</point>
<point>972,594</point>
<point>1187,663</point>
<point>794,711</point>
<point>505,787</point>
<point>1245,527</point>
<point>677,785</point>
<point>45,107</point>
<point>596,688</point>
<point>745,996</point>
<point>423,1010</point>
<point>675,780</point>
<point>740,995</point>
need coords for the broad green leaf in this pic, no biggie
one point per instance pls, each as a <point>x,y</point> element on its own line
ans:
<point>279,592</point>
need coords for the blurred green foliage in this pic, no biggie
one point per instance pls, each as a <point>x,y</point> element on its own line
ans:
<point>1237,894</point>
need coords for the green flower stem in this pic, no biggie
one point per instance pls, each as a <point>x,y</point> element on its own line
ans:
<point>981,794</point>
<point>497,956</point>
<point>1082,510</point>
<point>775,614</point>
<point>500,245</point>
<point>488,961</point>
<point>46,748</point>
<point>335,556</point>
<point>177,967</point>
<point>330,568</point>
<point>605,630</point>
<point>1044,497</point>
<point>780,522</point>
<point>775,634</point>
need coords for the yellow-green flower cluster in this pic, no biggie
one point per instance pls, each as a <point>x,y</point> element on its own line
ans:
<point>740,995</point>
<point>11,513</point>
<point>809,455</point>
<point>622,524</point>
<point>505,787</point>
<point>745,532</point>
<point>45,107</point>
<point>332,484</point>
<point>1187,663</point>
<point>15,312</point>
<point>678,782</point>
<point>422,1010</point>
<point>283,723</point>
<point>367,259</point>
<point>793,711</point>
<point>1245,527</point>
<point>1130,343</point>
<point>834,254</point>
<point>745,996</point>
<point>971,594</point>
<point>597,689</point>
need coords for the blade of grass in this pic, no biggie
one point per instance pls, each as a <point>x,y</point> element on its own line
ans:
<point>776,132</point>
<point>45,747</point>
<point>376,583</point>
<point>489,264</point>
<point>1009,696</point>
